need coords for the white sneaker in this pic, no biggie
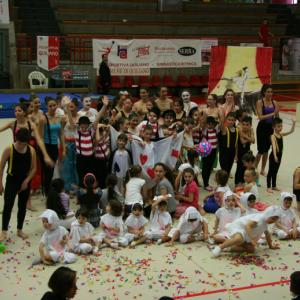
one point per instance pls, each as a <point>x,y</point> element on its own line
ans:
<point>216,251</point>
<point>114,245</point>
<point>159,242</point>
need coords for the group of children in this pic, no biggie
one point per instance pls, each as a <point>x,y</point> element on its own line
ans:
<point>89,153</point>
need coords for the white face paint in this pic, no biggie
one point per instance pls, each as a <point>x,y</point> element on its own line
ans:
<point>87,102</point>
<point>186,96</point>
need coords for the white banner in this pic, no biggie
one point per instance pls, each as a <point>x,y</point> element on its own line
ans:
<point>290,56</point>
<point>138,56</point>
<point>47,52</point>
<point>4,12</point>
<point>206,45</point>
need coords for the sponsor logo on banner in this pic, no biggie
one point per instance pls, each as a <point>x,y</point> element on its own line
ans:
<point>142,51</point>
<point>187,51</point>
<point>122,52</point>
<point>47,52</point>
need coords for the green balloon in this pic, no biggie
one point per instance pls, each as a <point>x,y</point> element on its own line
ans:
<point>2,248</point>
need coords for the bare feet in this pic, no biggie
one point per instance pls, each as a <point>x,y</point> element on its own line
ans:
<point>3,236</point>
<point>22,235</point>
<point>276,189</point>
<point>269,190</point>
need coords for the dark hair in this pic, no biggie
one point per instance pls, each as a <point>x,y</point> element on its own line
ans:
<point>231,115</point>
<point>84,96</point>
<point>239,113</point>
<point>32,97</point>
<point>162,203</point>
<point>276,121</point>
<point>192,111</point>
<point>123,137</point>
<point>48,99</point>
<point>53,198</point>
<point>247,119</point>
<point>179,101</point>
<point>215,97</point>
<point>188,170</point>
<point>148,127</point>
<point>264,89</point>
<point>295,283</point>
<point>248,157</point>
<point>156,111</point>
<point>116,208</point>
<point>251,197</point>
<point>225,93</point>
<point>23,135</point>
<point>133,115</point>
<point>89,182</point>
<point>211,120</point>
<point>189,121</point>
<point>75,101</point>
<point>191,156</point>
<point>82,212</point>
<point>144,88</point>
<point>168,173</point>
<point>133,171</point>
<point>169,112</point>
<point>61,281</point>
<point>222,177</point>
<point>137,206</point>
<point>110,182</point>
<point>84,120</point>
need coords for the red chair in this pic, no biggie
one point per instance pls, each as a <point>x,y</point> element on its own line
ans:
<point>116,82</point>
<point>195,81</point>
<point>168,81</point>
<point>182,81</point>
<point>144,81</point>
<point>155,81</point>
<point>128,81</point>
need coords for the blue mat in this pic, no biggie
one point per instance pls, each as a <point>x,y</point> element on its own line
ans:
<point>8,101</point>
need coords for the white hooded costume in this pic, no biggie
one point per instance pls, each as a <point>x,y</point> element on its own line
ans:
<point>244,201</point>
<point>52,238</point>
<point>187,228</point>
<point>227,215</point>
<point>79,232</point>
<point>239,225</point>
<point>287,217</point>
<point>136,222</point>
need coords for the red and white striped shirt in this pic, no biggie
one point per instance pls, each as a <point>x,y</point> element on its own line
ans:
<point>211,137</point>
<point>102,148</point>
<point>84,143</point>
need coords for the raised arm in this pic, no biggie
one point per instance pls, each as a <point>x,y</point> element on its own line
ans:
<point>6,126</point>
<point>103,110</point>
<point>292,128</point>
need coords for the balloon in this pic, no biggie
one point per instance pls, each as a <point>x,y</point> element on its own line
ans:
<point>2,248</point>
<point>204,148</point>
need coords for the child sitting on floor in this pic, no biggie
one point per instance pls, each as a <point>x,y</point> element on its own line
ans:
<point>215,200</point>
<point>286,227</point>
<point>160,221</point>
<point>248,201</point>
<point>191,227</point>
<point>136,223</point>
<point>81,233</point>
<point>54,245</point>
<point>224,216</point>
<point>113,227</point>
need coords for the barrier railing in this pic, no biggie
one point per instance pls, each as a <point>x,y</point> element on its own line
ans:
<point>77,49</point>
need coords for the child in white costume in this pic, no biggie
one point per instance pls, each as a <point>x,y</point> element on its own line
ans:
<point>191,227</point>
<point>246,231</point>
<point>160,222</point>
<point>248,202</point>
<point>286,227</point>
<point>225,215</point>
<point>135,224</point>
<point>81,233</point>
<point>54,245</point>
<point>112,226</point>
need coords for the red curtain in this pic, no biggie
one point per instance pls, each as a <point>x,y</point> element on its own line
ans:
<point>264,64</point>
<point>217,64</point>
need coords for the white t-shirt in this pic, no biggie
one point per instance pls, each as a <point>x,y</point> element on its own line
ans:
<point>136,222</point>
<point>160,220</point>
<point>227,215</point>
<point>110,221</point>
<point>133,191</point>
<point>80,231</point>
<point>51,239</point>
<point>287,217</point>
<point>91,114</point>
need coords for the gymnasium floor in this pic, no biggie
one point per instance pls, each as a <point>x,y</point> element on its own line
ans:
<point>149,272</point>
